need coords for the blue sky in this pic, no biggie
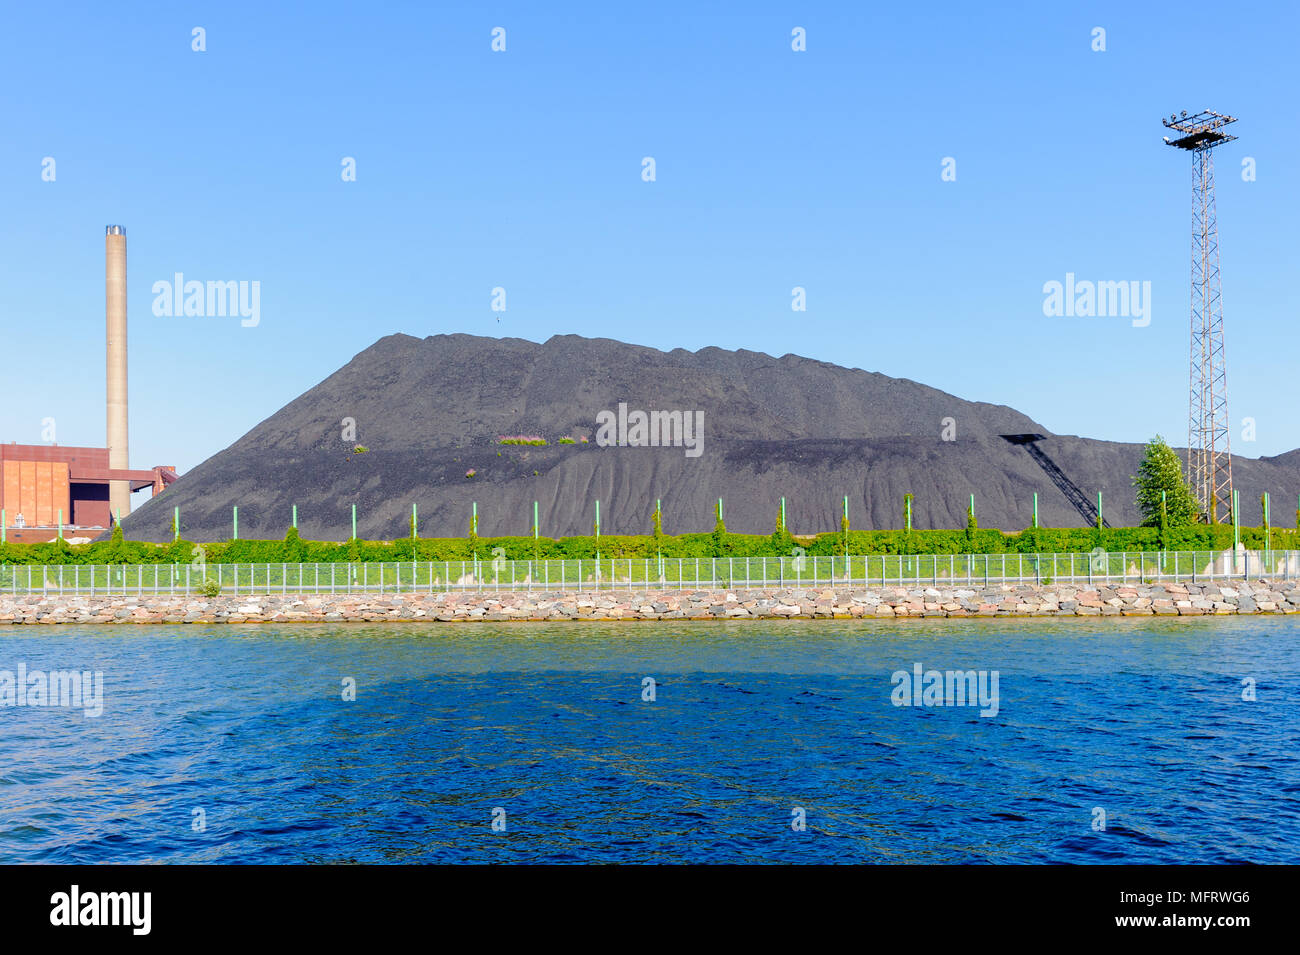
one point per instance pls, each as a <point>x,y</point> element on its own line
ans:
<point>522,169</point>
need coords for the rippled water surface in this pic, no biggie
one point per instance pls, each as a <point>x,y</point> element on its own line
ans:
<point>233,744</point>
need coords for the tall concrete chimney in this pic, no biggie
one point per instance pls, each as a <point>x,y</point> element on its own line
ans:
<point>119,492</point>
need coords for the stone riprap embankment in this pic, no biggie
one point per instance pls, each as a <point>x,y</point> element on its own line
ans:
<point>840,602</point>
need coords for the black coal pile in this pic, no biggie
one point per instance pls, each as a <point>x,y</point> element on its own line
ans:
<point>430,414</point>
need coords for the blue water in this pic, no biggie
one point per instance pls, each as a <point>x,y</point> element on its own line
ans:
<point>1141,718</point>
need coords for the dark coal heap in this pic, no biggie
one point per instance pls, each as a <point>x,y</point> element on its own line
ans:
<point>429,411</point>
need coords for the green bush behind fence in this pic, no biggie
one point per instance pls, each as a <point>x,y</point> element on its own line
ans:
<point>293,549</point>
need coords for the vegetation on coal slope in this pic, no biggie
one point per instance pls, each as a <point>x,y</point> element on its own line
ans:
<point>720,543</point>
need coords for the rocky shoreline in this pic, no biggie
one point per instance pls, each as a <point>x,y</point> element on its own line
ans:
<point>840,602</point>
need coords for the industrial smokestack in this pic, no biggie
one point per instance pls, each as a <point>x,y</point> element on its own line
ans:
<point>119,492</point>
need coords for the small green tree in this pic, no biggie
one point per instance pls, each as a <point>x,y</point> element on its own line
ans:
<point>1160,480</point>
<point>1031,540</point>
<point>293,546</point>
<point>781,537</point>
<point>180,551</point>
<point>115,551</point>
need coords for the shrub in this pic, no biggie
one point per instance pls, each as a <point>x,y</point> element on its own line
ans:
<point>721,545</point>
<point>293,547</point>
<point>534,439</point>
<point>179,551</point>
<point>782,540</point>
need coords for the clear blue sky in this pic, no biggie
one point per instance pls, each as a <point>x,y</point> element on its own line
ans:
<point>522,169</point>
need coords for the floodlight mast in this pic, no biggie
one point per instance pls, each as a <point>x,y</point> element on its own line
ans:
<point>1209,452</point>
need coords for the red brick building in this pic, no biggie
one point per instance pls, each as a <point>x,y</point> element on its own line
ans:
<point>38,481</point>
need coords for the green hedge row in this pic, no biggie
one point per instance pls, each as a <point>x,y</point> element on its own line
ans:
<point>295,550</point>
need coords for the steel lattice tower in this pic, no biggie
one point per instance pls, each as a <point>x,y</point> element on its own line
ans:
<point>1209,451</point>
